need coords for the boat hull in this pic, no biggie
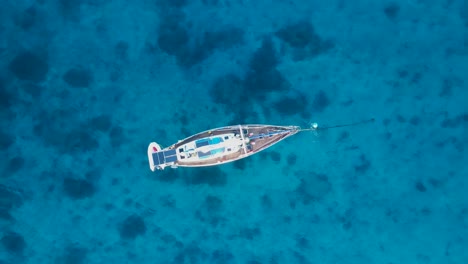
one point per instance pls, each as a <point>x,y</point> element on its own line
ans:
<point>218,146</point>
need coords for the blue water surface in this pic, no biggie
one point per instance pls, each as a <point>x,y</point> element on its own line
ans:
<point>86,85</point>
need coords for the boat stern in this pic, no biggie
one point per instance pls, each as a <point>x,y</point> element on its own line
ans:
<point>160,158</point>
<point>152,149</point>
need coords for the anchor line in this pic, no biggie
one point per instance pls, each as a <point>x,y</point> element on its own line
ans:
<point>337,126</point>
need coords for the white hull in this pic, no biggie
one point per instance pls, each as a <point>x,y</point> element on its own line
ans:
<point>218,146</point>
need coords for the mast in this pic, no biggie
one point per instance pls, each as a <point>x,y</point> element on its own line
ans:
<point>243,140</point>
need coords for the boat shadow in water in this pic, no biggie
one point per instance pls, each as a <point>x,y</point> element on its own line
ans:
<point>212,176</point>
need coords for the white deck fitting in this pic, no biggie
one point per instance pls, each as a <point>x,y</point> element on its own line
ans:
<point>243,140</point>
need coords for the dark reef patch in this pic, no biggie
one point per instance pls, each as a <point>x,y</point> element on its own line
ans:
<point>9,200</point>
<point>117,136</point>
<point>74,255</point>
<point>34,90</point>
<point>347,219</point>
<point>132,227</point>
<point>78,77</point>
<point>391,10</point>
<point>13,242</point>
<point>303,40</point>
<point>275,156</point>
<point>80,141</point>
<point>250,233</point>
<point>171,3</point>
<point>168,201</point>
<point>7,97</point>
<point>262,76</point>
<point>29,66</point>
<point>26,19</point>
<point>363,165</point>
<point>241,164</point>
<point>313,186</point>
<point>411,77</point>
<point>291,105</point>
<point>228,90</point>
<point>321,101</point>
<point>213,220</point>
<point>343,136</point>
<point>302,242</point>
<point>299,258</point>
<point>191,254</point>
<point>121,50</point>
<point>455,121</point>
<point>415,120</point>
<point>291,159</point>
<point>264,58</point>
<point>52,128</point>
<point>438,183</point>
<point>299,35</point>
<point>101,123</point>
<point>400,118</point>
<point>242,115</point>
<point>14,165</point>
<point>70,9</point>
<point>174,39</point>
<point>213,203</point>
<point>205,45</point>
<point>464,13</point>
<point>274,260</point>
<point>449,83</point>
<point>170,239</point>
<point>263,155</point>
<point>183,117</point>
<point>209,212</point>
<point>386,121</point>
<point>453,141</point>
<point>167,176</point>
<point>419,185</point>
<point>212,176</point>
<point>266,201</point>
<point>6,140</point>
<point>261,79</point>
<point>78,188</point>
<point>221,256</point>
<point>225,39</point>
<point>93,175</point>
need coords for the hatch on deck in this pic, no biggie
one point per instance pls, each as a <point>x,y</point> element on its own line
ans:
<point>163,157</point>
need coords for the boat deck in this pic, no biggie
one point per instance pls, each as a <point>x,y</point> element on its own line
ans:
<point>257,138</point>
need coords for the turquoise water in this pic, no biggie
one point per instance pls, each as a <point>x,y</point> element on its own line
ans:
<point>86,85</point>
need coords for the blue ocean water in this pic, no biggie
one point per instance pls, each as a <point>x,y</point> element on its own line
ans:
<point>85,85</point>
